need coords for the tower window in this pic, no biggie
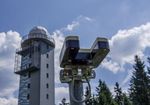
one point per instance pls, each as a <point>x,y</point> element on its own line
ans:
<point>47,96</point>
<point>47,56</point>
<point>29,75</point>
<point>30,65</point>
<point>47,65</point>
<point>39,48</point>
<point>47,75</point>
<point>30,56</point>
<point>47,86</point>
<point>28,96</point>
<point>47,46</point>
<point>28,85</point>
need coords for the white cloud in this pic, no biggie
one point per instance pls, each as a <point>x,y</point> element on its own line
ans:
<point>76,24</point>
<point>9,41</point>
<point>2,38</point>
<point>61,92</point>
<point>110,64</point>
<point>125,45</point>
<point>59,38</point>
<point>84,18</point>
<point>72,26</point>
<point>9,101</point>
<point>88,19</point>
<point>127,78</point>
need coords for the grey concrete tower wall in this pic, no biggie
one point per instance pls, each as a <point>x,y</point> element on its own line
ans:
<point>47,76</point>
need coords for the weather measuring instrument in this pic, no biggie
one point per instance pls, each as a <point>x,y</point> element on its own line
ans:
<point>78,65</point>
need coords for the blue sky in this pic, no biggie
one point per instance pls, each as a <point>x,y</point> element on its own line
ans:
<point>124,22</point>
<point>22,15</point>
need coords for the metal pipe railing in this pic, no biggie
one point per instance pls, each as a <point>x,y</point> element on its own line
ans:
<point>47,37</point>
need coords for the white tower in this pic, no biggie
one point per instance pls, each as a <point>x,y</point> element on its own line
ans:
<point>36,68</point>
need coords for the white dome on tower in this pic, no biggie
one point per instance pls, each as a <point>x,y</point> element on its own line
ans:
<point>38,30</point>
<point>38,33</point>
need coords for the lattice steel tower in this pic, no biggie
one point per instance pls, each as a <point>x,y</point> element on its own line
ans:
<point>34,62</point>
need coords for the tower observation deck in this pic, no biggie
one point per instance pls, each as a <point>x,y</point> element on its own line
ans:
<point>34,62</point>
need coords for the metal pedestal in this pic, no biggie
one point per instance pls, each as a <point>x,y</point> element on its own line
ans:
<point>76,92</point>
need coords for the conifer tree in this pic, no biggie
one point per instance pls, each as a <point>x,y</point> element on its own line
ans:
<point>90,100</point>
<point>139,84</point>
<point>104,96</point>
<point>148,73</point>
<point>118,94</point>
<point>94,100</point>
<point>126,100</point>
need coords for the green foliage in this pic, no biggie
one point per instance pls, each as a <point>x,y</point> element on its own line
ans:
<point>148,73</point>
<point>139,84</point>
<point>120,97</point>
<point>104,96</point>
<point>118,94</point>
<point>126,100</point>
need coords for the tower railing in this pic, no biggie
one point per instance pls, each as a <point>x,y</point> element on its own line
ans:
<point>19,68</point>
<point>47,37</point>
<point>28,48</point>
<point>17,65</point>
